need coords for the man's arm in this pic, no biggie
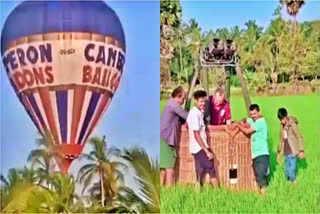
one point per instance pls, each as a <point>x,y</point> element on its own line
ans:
<point>298,135</point>
<point>180,112</point>
<point>182,121</point>
<point>280,146</point>
<point>200,141</point>
<point>228,114</point>
<point>207,129</point>
<point>194,122</point>
<point>245,128</point>
<point>201,144</point>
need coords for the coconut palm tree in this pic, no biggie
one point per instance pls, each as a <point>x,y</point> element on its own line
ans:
<point>32,198</point>
<point>178,45</point>
<point>170,14</point>
<point>248,43</point>
<point>170,18</point>
<point>223,33</point>
<point>26,197</point>
<point>17,198</point>
<point>102,166</point>
<point>194,42</point>
<point>14,177</point>
<point>43,158</point>
<point>147,172</point>
<point>271,42</point>
<point>59,198</point>
<point>293,8</point>
<point>235,33</point>
<point>17,178</point>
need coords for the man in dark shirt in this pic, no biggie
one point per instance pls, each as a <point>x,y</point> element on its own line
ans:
<point>218,109</point>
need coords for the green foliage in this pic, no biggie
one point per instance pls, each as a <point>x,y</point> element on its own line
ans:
<point>285,51</point>
<point>170,13</point>
<point>147,176</point>
<point>33,190</point>
<point>234,81</point>
<point>101,164</point>
<point>257,81</point>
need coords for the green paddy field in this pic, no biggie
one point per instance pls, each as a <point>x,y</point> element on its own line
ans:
<point>281,196</point>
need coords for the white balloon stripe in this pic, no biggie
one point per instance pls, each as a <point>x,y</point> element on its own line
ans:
<point>70,106</point>
<point>55,114</point>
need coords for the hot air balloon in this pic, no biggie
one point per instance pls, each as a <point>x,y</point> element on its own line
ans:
<point>64,60</point>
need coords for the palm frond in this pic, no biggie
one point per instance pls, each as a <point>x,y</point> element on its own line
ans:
<point>87,180</point>
<point>147,172</point>
<point>89,157</point>
<point>113,152</point>
<point>84,170</point>
<point>4,180</point>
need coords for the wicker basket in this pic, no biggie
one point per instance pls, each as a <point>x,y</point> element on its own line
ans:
<point>233,162</point>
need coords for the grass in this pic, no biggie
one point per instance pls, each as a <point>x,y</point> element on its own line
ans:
<point>281,196</point>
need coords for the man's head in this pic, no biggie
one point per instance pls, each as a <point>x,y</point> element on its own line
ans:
<point>179,95</point>
<point>219,96</point>
<point>283,116</point>
<point>254,112</point>
<point>200,99</point>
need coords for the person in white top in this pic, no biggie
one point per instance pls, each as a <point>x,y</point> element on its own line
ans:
<point>198,145</point>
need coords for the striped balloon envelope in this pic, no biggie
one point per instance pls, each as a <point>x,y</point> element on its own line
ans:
<point>64,60</point>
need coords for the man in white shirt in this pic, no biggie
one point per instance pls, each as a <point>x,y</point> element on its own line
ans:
<point>198,145</point>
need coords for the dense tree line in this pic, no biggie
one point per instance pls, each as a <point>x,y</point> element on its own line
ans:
<point>286,51</point>
<point>38,188</point>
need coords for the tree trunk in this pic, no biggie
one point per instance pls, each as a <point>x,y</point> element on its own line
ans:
<point>295,24</point>
<point>169,73</point>
<point>163,73</point>
<point>205,81</point>
<point>181,68</point>
<point>244,87</point>
<point>275,69</point>
<point>187,75</point>
<point>227,84</point>
<point>102,189</point>
<point>192,85</point>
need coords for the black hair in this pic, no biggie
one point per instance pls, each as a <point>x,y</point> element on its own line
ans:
<point>177,91</point>
<point>198,94</point>
<point>282,113</point>
<point>254,107</point>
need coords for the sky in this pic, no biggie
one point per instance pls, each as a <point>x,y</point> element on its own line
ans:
<point>133,115</point>
<point>211,15</point>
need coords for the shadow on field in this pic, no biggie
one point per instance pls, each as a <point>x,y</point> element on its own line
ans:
<point>301,164</point>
